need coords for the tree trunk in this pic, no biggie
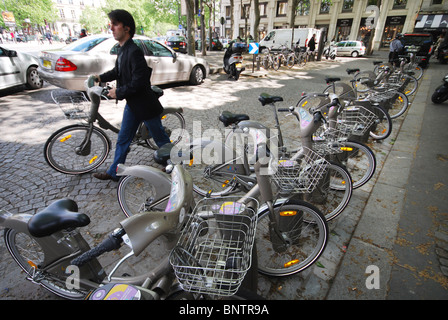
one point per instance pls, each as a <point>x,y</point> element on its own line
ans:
<point>191,26</point>
<point>257,20</point>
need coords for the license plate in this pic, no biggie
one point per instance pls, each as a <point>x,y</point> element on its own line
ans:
<point>446,57</point>
<point>176,48</point>
<point>47,64</point>
<point>239,65</point>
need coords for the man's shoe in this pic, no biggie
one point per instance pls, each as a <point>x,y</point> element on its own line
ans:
<point>104,176</point>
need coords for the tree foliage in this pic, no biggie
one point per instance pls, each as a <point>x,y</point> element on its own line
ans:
<point>37,11</point>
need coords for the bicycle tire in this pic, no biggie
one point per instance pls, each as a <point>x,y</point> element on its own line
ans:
<point>266,62</point>
<point>137,195</point>
<point>61,154</point>
<point>383,124</point>
<point>398,105</point>
<point>208,180</point>
<point>290,61</point>
<point>409,84</point>
<point>303,250</point>
<point>359,160</point>
<point>363,75</point>
<point>276,63</point>
<point>14,241</point>
<point>174,125</point>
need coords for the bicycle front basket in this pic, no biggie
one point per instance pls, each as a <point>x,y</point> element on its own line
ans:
<point>213,253</point>
<point>74,105</point>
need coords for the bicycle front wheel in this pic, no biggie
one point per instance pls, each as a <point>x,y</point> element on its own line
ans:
<point>359,160</point>
<point>333,193</point>
<point>398,105</point>
<point>383,124</point>
<point>29,255</point>
<point>409,84</point>
<point>304,235</point>
<point>174,125</point>
<point>276,63</point>
<point>67,150</point>
<point>290,62</point>
<point>137,195</point>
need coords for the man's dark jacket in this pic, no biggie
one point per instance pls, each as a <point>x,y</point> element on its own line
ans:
<point>133,82</point>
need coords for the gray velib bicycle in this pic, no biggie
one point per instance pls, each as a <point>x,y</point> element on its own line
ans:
<point>210,249</point>
<point>81,148</point>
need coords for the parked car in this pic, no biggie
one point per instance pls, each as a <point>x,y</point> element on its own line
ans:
<point>351,48</point>
<point>70,66</point>
<point>177,43</point>
<point>420,44</point>
<point>18,68</point>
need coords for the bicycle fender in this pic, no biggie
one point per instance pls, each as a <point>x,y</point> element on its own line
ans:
<point>224,152</point>
<point>17,222</point>
<point>160,179</point>
<point>167,110</point>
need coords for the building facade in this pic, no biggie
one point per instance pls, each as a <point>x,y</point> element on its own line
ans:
<point>342,19</point>
<point>69,12</point>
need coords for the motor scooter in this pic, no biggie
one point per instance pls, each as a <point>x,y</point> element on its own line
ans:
<point>330,52</point>
<point>233,59</point>
<point>442,55</point>
<point>441,93</point>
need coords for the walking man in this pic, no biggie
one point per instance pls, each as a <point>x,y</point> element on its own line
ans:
<point>133,84</point>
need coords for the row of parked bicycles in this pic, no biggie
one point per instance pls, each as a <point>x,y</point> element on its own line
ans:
<point>274,59</point>
<point>250,204</point>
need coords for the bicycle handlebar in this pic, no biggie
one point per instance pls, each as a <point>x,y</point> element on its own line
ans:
<point>113,242</point>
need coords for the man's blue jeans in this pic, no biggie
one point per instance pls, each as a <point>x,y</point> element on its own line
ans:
<point>129,126</point>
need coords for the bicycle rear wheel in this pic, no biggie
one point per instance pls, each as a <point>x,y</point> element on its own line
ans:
<point>174,125</point>
<point>409,84</point>
<point>62,151</point>
<point>29,255</point>
<point>306,230</point>
<point>290,61</point>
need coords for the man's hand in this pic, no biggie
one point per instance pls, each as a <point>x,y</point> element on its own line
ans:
<point>112,93</point>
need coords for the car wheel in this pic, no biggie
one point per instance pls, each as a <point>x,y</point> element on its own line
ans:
<point>355,54</point>
<point>33,81</point>
<point>197,76</point>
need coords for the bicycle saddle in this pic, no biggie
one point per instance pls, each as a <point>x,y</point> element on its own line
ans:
<point>350,71</point>
<point>61,214</point>
<point>228,118</point>
<point>163,154</point>
<point>329,80</point>
<point>265,99</point>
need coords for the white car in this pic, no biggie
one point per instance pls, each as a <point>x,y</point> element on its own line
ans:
<point>18,68</point>
<point>70,66</point>
<point>351,48</point>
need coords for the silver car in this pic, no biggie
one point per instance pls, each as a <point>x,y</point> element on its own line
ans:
<point>18,68</point>
<point>351,48</point>
<point>69,66</point>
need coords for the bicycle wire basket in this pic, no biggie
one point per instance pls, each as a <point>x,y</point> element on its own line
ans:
<point>329,140</point>
<point>214,251</point>
<point>357,119</point>
<point>74,105</point>
<point>301,175</point>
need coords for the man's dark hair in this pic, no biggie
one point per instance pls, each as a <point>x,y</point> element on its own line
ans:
<point>125,18</point>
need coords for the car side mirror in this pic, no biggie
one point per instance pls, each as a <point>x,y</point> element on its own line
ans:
<point>12,53</point>
<point>175,54</point>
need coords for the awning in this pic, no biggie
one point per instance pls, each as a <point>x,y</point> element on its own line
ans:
<point>431,22</point>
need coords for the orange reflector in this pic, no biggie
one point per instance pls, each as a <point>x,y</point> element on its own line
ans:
<point>66,138</point>
<point>225,183</point>
<point>304,104</point>
<point>93,159</point>
<point>289,213</point>
<point>290,263</point>
<point>32,264</point>
<point>346,149</point>
<point>191,162</point>
<point>164,117</point>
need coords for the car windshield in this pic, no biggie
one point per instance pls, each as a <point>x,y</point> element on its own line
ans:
<point>176,39</point>
<point>84,44</point>
<point>416,40</point>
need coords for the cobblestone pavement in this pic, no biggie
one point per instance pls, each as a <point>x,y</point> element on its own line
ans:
<point>29,184</point>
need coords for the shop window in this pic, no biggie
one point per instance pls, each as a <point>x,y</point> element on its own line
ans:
<point>437,1</point>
